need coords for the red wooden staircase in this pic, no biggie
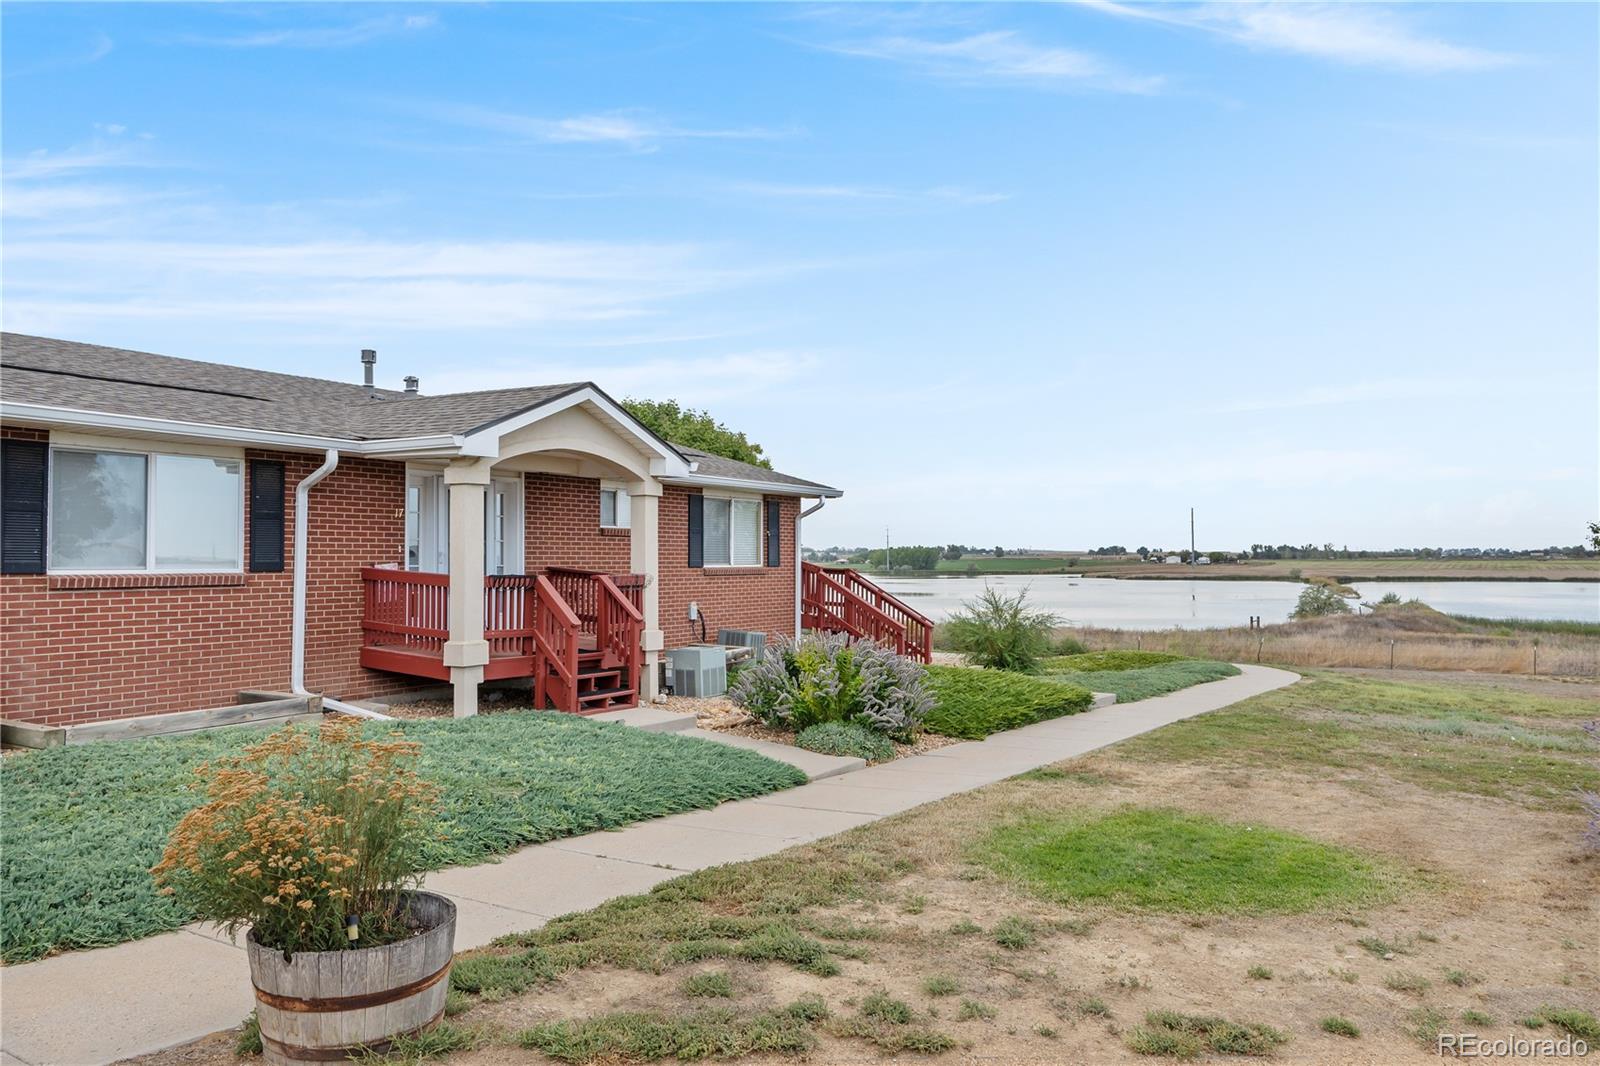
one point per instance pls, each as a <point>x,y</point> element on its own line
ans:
<point>842,601</point>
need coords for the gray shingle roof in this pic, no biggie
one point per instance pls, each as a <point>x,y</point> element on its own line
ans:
<point>716,466</point>
<point>91,377</point>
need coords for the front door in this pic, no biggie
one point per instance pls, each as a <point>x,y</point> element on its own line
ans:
<point>428,525</point>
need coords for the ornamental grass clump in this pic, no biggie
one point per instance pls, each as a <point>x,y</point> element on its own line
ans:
<point>827,678</point>
<point>301,833</point>
<point>1002,632</point>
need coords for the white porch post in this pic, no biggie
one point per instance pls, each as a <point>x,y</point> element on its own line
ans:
<point>466,652</point>
<point>645,558</point>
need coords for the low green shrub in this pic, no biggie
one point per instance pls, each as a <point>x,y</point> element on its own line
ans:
<point>827,678</point>
<point>845,738</point>
<point>1130,686</point>
<point>974,703</point>
<point>1068,645</point>
<point>1001,632</point>
<point>1318,601</point>
<point>1185,1036</point>
<point>1094,661</point>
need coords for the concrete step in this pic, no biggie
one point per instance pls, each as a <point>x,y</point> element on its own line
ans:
<point>1102,699</point>
<point>650,719</point>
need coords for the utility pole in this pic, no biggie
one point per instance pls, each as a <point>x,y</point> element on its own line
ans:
<point>888,564</point>
<point>1194,560</point>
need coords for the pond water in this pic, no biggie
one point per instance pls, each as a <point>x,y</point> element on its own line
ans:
<point>1169,602</point>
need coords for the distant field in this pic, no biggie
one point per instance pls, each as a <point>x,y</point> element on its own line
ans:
<point>1293,569</point>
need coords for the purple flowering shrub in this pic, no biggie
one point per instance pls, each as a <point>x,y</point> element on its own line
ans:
<point>827,678</point>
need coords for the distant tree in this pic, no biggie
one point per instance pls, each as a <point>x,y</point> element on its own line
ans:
<point>999,552</point>
<point>1143,552</point>
<point>1318,601</point>
<point>1594,536</point>
<point>696,429</point>
<point>906,557</point>
<point>952,551</point>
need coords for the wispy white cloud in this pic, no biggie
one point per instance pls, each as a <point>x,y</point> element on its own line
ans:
<point>100,45</point>
<point>340,36</point>
<point>948,194</point>
<point>99,155</point>
<point>1358,34</point>
<point>635,130</point>
<point>998,57</point>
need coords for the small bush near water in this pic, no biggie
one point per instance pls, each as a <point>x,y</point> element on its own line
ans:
<point>1318,601</point>
<point>826,678</point>
<point>974,703</point>
<point>1001,632</point>
<point>847,739</point>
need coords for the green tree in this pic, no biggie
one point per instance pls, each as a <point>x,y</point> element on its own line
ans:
<point>696,429</point>
<point>907,557</point>
<point>1320,600</point>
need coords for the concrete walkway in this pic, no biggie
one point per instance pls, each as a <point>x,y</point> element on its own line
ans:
<point>99,1006</point>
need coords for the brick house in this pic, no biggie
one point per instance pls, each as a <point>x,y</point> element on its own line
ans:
<point>177,531</point>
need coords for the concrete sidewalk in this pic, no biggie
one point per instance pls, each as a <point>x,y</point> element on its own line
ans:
<point>99,1006</point>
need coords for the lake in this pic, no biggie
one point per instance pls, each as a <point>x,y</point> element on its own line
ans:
<point>1169,602</point>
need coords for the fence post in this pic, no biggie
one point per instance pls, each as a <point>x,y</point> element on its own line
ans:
<point>1259,641</point>
<point>1391,655</point>
<point>1536,656</point>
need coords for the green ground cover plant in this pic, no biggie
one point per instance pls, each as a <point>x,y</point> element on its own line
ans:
<point>1186,1036</point>
<point>1164,860</point>
<point>973,703</point>
<point>845,738</point>
<point>1129,686</point>
<point>1093,661</point>
<point>84,824</point>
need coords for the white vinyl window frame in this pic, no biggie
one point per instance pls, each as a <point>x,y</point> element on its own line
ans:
<point>732,499</point>
<point>150,476</point>
<point>427,521</point>
<point>621,506</point>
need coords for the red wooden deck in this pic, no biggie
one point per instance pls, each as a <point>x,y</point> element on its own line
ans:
<point>576,633</point>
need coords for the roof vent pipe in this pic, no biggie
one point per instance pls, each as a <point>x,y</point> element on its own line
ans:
<point>411,384</point>
<point>369,359</point>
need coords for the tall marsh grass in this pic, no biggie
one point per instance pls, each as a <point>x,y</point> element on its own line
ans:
<point>1557,654</point>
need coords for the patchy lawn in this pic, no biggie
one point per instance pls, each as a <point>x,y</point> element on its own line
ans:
<point>83,825</point>
<point>1446,908</point>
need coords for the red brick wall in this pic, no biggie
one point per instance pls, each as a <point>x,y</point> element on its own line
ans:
<point>562,516</point>
<point>149,644</point>
<point>759,598</point>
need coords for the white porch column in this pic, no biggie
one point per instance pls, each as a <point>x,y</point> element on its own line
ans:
<point>645,558</point>
<point>466,652</point>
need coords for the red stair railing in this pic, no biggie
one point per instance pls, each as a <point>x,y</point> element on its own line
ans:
<point>555,649</point>
<point>842,601</point>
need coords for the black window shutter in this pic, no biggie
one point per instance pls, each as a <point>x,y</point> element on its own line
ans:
<point>266,516</point>
<point>774,555</point>
<point>24,472</point>
<point>697,531</point>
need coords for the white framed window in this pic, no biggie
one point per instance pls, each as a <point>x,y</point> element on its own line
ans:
<point>732,530</point>
<point>428,523</point>
<point>139,511</point>
<point>615,510</point>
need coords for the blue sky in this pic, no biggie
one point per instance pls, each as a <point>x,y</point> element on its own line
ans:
<point>1041,275</point>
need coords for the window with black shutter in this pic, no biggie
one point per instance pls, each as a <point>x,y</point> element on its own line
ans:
<point>266,516</point>
<point>24,472</point>
<point>697,531</point>
<point>774,554</point>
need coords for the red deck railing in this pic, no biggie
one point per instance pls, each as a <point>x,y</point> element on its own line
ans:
<point>842,601</point>
<point>535,625</point>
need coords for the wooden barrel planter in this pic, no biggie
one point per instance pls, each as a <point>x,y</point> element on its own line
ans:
<point>322,1006</point>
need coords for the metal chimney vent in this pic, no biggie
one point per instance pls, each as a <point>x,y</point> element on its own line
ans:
<point>369,359</point>
<point>411,384</point>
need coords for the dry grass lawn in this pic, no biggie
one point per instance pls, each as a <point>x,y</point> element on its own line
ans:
<point>1477,903</point>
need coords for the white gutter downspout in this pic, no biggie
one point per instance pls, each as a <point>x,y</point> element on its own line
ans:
<point>797,557</point>
<point>297,648</point>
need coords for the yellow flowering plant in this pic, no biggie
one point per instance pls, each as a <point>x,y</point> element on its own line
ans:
<point>302,832</point>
